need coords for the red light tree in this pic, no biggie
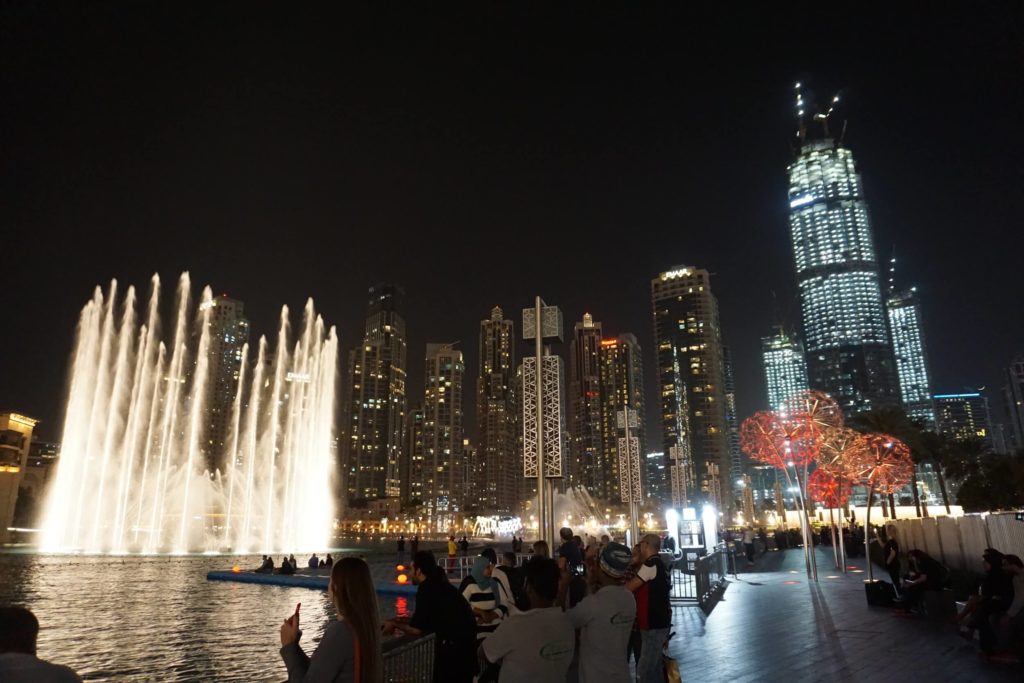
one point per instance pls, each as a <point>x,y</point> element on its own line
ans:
<point>882,463</point>
<point>822,487</point>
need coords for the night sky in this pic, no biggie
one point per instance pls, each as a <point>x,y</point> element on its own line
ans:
<point>482,156</point>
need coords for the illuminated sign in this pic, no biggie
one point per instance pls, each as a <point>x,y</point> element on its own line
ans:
<point>673,274</point>
<point>800,201</point>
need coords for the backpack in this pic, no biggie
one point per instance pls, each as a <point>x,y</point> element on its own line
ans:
<point>516,582</point>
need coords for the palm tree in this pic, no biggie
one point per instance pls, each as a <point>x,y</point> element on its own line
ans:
<point>937,449</point>
<point>894,422</point>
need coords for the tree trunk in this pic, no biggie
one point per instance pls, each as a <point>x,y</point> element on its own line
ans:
<point>867,536</point>
<point>922,510</point>
<point>942,487</point>
<point>842,518</point>
<point>892,507</point>
<point>835,543</point>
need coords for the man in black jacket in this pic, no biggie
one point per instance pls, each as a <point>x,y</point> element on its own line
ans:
<point>442,610</point>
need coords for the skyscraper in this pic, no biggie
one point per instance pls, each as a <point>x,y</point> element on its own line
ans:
<point>732,423</point>
<point>373,416</point>
<point>498,469</point>
<point>228,333</point>
<point>848,351</point>
<point>622,386</point>
<point>964,417</point>
<point>586,449</point>
<point>692,377</point>
<point>442,480</point>
<point>911,358</point>
<point>412,457</point>
<point>785,369</point>
<point>1013,398</point>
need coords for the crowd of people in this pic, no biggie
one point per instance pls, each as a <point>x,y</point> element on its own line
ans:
<point>578,616</point>
<point>289,565</point>
<point>994,611</point>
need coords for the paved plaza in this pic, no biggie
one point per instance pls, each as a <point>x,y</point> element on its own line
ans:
<point>772,624</point>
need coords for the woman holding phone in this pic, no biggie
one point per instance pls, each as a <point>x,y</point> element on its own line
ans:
<point>350,649</point>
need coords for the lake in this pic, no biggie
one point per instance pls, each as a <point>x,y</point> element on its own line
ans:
<point>157,618</point>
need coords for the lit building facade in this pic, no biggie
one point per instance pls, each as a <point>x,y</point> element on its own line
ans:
<point>692,379</point>
<point>412,457</point>
<point>498,467</point>
<point>1013,399</point>
<point>36,477</point>
<point>964,417</point>
<point>586,447</point>
<point>849,354</point>
<point>656,484</point>
<point>441,475</point>
<point>622,386</point>
<point>228,333</point>
<point>373,414</point>
<point>15,441</point>
<point>785,370</point>
<point>911,359</point>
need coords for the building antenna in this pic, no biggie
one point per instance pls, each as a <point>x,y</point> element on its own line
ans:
<point>892,272</point>
<point>824,117</point>
<point>801,131</point>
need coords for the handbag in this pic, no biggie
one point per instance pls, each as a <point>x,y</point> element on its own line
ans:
<point>672,674</point>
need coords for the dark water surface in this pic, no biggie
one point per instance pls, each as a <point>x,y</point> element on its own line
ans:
<point>138,618</point>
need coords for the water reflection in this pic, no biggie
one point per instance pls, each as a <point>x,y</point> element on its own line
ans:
<point>158,618</point>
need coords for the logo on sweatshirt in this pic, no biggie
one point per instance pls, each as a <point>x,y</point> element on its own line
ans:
<point>557,650</point>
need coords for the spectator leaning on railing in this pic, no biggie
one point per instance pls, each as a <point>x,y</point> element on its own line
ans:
<point>441,610</point>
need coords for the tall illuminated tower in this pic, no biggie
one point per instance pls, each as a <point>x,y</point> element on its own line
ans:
<point>622,386</point>
<point>692,379</point>
<point>785,369</point>
<point>442,475</point>
<point>1013,398</point>
<point>498,468</point>
<point>847,343</point>
<point>586,447</point>
<point>911,359</point>
<point>373,414</point>
<point>228,333</point>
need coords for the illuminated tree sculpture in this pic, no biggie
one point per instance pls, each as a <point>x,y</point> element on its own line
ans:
<point>817,409</point>
<point>822,487</point>
<point>836,443</point>
<point>882,463</point>
<point>787,442</point>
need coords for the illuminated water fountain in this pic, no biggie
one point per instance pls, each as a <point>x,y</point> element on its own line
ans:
<point>132,475</point>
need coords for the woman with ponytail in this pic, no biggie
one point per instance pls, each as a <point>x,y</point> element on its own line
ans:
<point>350,649</point>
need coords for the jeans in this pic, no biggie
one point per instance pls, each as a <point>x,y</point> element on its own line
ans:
<point>651,668</point>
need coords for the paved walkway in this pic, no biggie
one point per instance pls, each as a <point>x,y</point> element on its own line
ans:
<point>773,624</point>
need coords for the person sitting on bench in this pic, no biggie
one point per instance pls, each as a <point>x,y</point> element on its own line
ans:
<point>926,573</point>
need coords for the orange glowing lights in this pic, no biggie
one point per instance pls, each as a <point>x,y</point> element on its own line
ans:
<point>403,579</point>
<point>236,569</point>
<point>399,567</point>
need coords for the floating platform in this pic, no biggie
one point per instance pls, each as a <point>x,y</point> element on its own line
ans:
<point>315,581</point>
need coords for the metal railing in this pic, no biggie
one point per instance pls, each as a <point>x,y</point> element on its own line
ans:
<point>710,575</point>
<point>409,659</point>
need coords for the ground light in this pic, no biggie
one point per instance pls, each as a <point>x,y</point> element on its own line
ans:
<point>672,524</point>
<point>709,517</point>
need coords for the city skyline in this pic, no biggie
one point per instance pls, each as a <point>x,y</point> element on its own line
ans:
<point>92,180</point>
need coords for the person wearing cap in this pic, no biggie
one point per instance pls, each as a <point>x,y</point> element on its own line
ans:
<point>651,586</point>
<point>604,618</point>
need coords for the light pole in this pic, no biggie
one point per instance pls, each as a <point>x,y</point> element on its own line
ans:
<point>629,469</point>
<point>542,411</point>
